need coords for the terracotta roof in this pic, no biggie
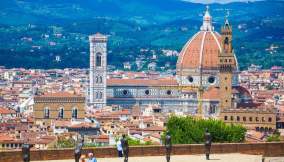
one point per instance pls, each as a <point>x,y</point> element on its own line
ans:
<point>83,125</point>
<point>204,43</point>
<point>154,128</point>
<point>122,112</point>
<point>59,94</point>
<point>45,140</point>
<point>142,82</point>
<point>61,123</point>
<point>6,111</point>
<point>101,138</point>
<point>212,94</point>
<point>5,137</point>
<point>156,135</point>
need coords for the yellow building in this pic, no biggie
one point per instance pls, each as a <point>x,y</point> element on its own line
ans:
<point>58,106</point>
<point>252,118</point>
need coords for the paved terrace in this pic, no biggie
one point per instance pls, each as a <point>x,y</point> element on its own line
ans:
<point>192,158</point>
<point>222,152</point>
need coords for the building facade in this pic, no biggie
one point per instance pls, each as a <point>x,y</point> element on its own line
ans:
<point>58,106</point>
<point>258,119</point>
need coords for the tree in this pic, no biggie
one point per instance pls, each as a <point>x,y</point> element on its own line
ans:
<point>66,143</point>
<point>187,130</point>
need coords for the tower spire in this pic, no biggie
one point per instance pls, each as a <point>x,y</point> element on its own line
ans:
<point>207,21</point>
<point>226,19</point>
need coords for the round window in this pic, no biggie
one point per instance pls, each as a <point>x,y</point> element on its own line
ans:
<point>125,92</point>
<point>190,79</point>
<point>211,80</point>
<point>147,92</point>
<point>169,92</point>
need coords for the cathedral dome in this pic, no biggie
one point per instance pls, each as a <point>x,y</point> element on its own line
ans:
<point>201,50</point>
<point>198,61</point>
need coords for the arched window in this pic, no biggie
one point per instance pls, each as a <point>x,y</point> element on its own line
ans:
<point>46,112</point>
<point>226,41</point>
<point>74,113</point>
<point>97,79</point>
<point>101,95</point>
<point>256,119</point>
<point>99,60</point>
<point>250,118</point>
<point>100,79</point>
<point>97,95</point>
<point>227,45</point>
<point>61,113</point>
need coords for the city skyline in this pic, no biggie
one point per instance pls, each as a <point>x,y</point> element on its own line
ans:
<point>203,99</point>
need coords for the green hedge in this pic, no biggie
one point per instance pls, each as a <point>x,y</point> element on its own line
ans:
<point>187,130</point>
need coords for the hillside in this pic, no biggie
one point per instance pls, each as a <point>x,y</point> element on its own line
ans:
<point>35,32</point>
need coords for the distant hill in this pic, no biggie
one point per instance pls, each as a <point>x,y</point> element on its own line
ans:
<point>34,32</point>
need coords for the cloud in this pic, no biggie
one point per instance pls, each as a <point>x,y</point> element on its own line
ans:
<point>218,1</point>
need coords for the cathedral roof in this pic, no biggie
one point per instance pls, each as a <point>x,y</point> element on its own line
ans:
<point>202,50</point>
<point>142,82</point>
<point>59,94</point>
<point>213,93</point>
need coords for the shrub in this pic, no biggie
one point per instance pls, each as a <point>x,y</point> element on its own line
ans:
<point>188,130</point>
<point>273,138</point>
<point>66,143</point>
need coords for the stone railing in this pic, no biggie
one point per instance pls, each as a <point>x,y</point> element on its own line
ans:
<point>265,149</point>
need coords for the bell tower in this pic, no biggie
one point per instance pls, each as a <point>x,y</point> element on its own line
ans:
<point>98,70</point>
<point>226,66</point>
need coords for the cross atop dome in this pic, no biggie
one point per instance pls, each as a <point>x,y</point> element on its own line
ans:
<point>207,21</point>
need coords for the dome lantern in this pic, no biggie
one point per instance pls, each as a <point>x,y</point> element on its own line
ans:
<point>207,21</point>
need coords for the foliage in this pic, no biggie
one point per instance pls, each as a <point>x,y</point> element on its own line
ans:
<point>188,130</point>
<point>273,138</point>
<point>256,26</point>
<point>134,142</point>
<point>148,143</point>
<point>92,145</point>
<point>66,143</point>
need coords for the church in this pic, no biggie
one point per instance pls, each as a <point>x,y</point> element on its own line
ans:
<point>206,79</point>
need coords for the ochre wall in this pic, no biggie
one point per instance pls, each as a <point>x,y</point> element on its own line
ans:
<point>266,149</point>
<point>54,105</point>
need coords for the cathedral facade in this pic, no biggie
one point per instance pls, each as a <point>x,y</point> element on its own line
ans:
<point>206,78</point>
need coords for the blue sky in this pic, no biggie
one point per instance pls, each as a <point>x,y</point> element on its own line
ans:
<point>217,1</point>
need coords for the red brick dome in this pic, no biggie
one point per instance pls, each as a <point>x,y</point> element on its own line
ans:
<point>201,50</point>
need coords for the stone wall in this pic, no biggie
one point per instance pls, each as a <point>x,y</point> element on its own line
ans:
<point>266,149</point>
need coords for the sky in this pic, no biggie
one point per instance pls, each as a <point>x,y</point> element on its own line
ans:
<point>218,1</point>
